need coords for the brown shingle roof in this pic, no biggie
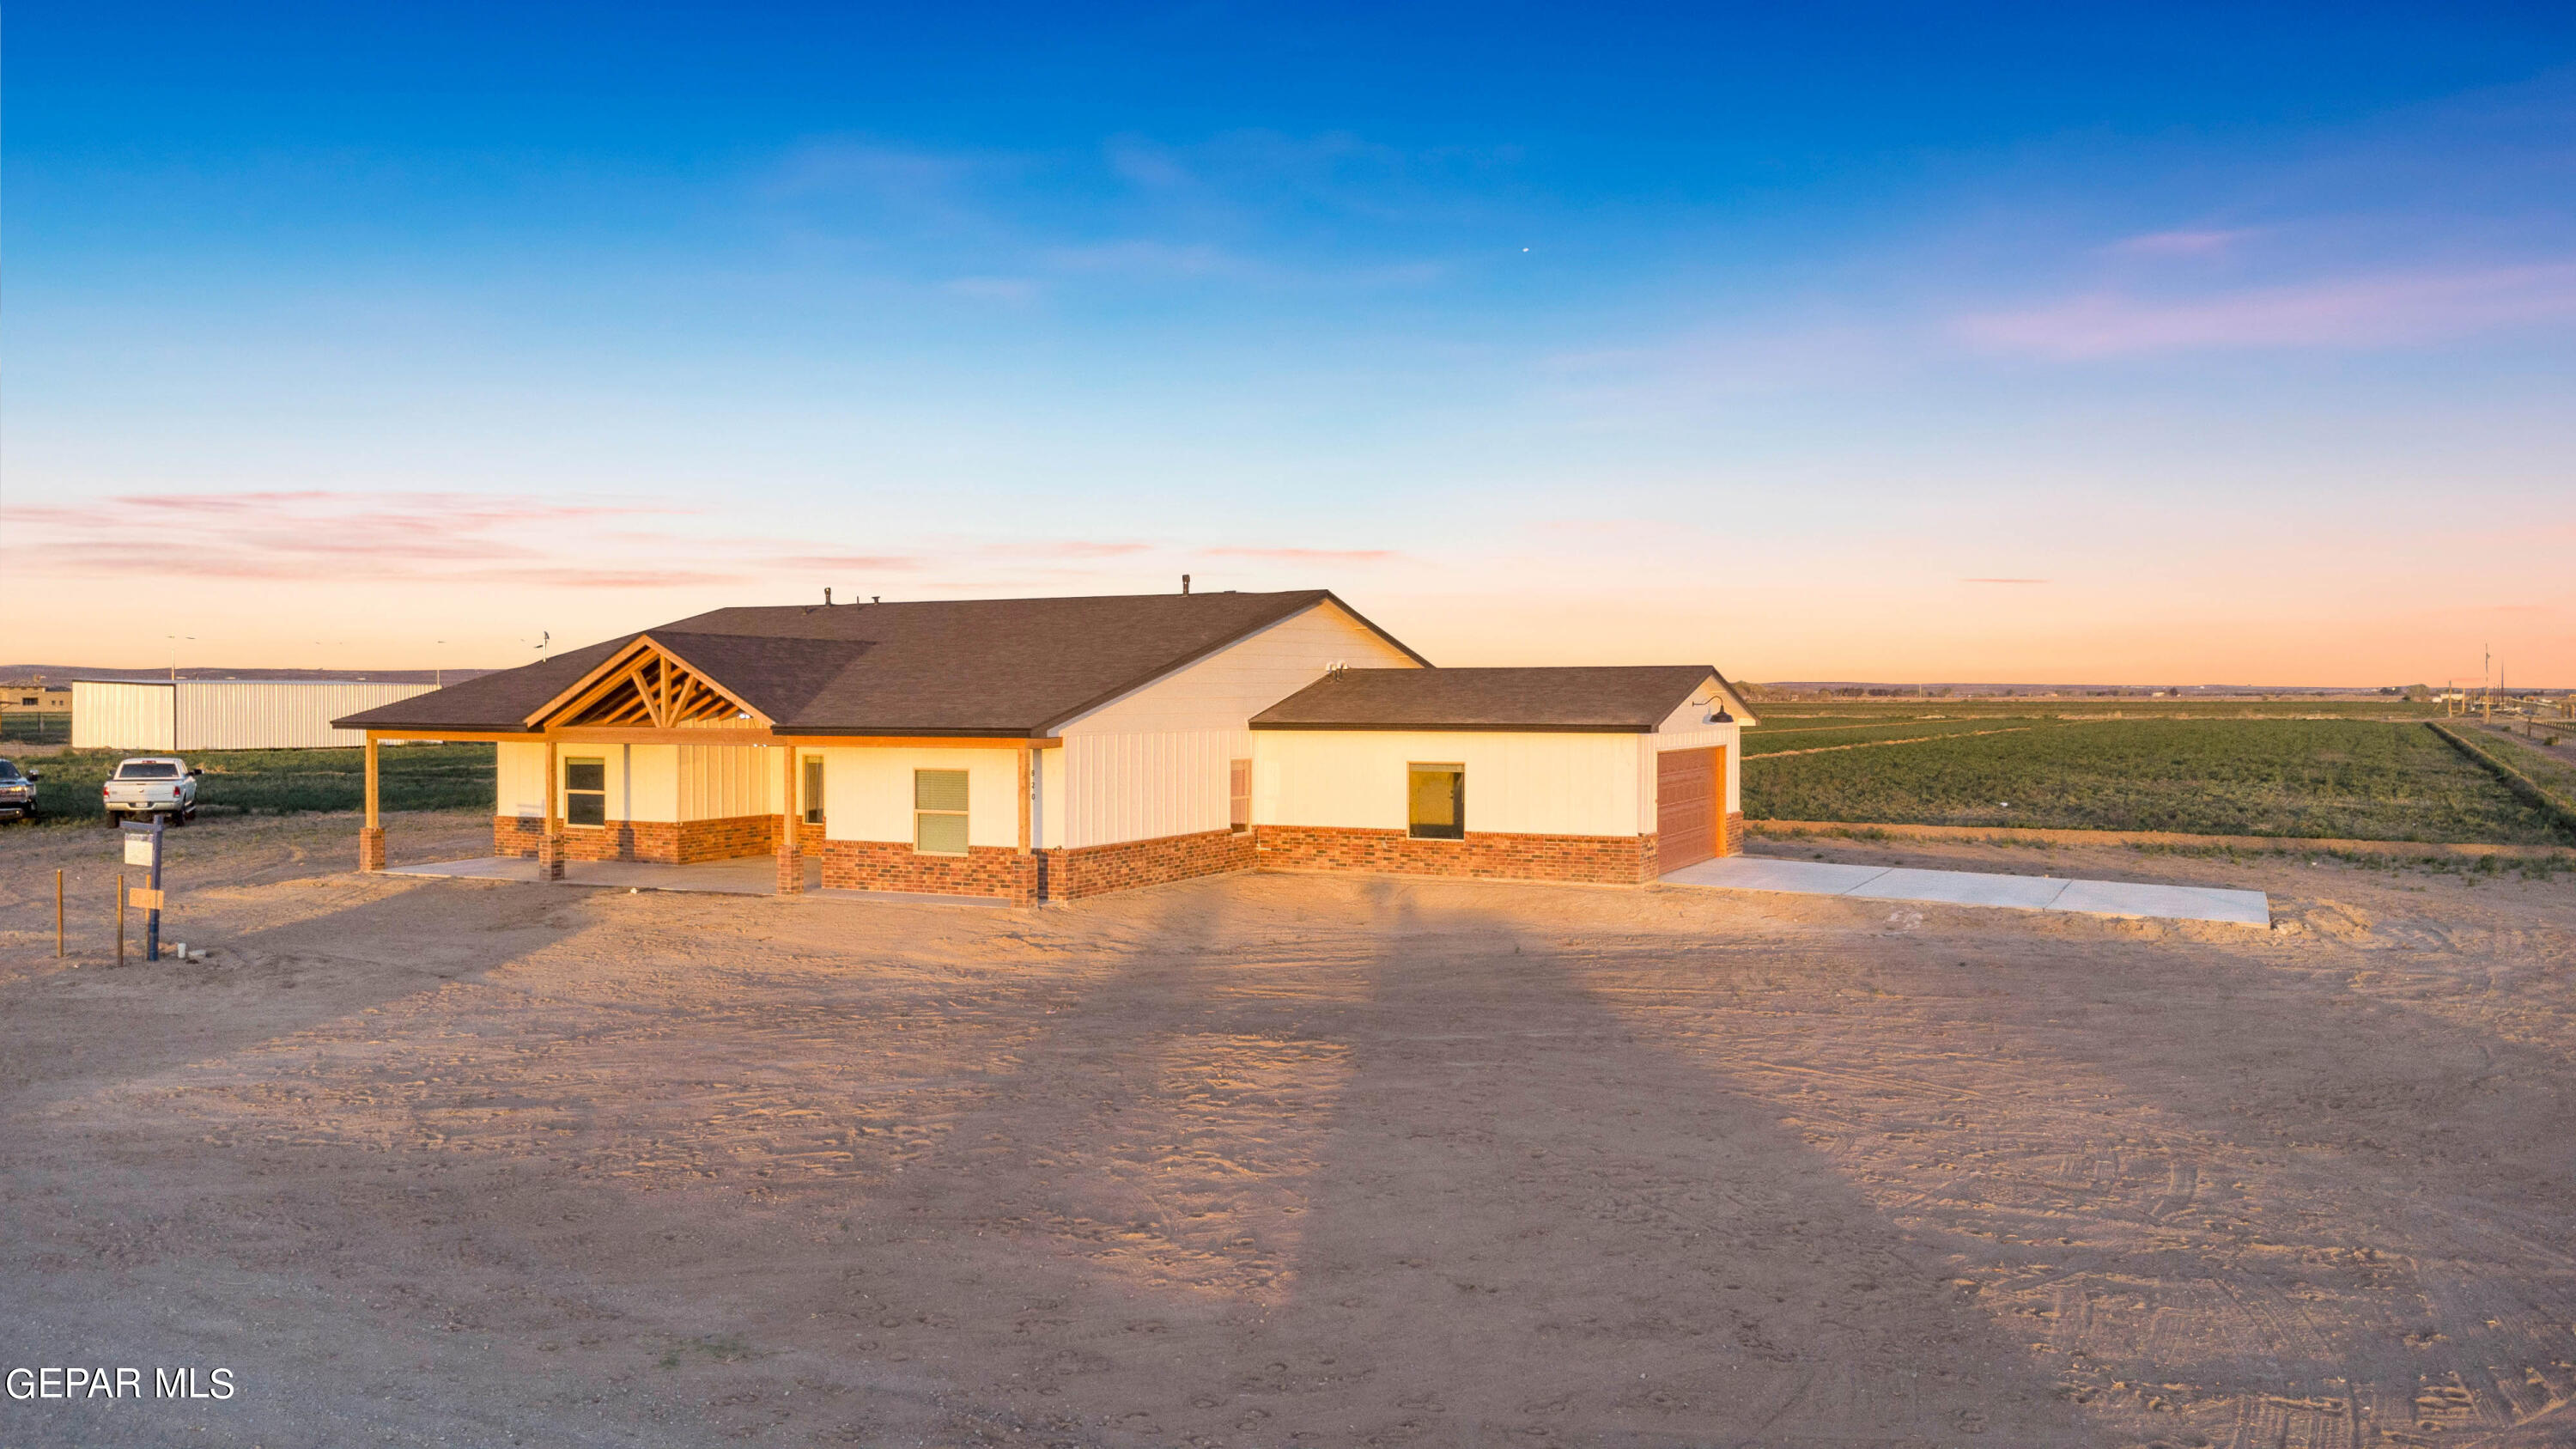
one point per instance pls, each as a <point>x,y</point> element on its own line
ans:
<point>489,702</point>
<point>1577,699</point>
<point>962,667</point>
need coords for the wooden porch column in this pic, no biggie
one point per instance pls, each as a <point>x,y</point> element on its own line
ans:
<point>1030,878</point>
<point>550,841</point>
<point>371,836</point>
<point>1025,752</point>
<point>791,854</point>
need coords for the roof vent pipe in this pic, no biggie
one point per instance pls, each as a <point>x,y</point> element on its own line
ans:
<point>827,598</point>
<point>1185,583</point>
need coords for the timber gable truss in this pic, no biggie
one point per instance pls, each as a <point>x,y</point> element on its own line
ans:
<point>646,686</point>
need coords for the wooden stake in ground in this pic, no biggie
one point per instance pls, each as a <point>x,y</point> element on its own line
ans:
<point>120,918</point>
<point>58,913</point>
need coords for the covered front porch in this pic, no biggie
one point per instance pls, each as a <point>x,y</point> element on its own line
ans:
<point>646,774</point>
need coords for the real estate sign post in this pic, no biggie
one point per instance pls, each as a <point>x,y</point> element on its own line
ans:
<point>143,848</point>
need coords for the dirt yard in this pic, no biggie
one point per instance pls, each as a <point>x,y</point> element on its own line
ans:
<point>1278,1160</point>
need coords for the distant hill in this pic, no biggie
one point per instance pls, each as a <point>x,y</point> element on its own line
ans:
<point>65,673</point>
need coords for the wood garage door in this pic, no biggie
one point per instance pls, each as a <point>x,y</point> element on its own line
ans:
<point>1686,799</point>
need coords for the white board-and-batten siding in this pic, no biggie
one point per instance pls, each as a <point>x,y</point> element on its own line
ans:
<point>646,782</point>
<point>1158,760</point>
<point>1517,783</point>
<point>868,793</point>
<point>223,714</point>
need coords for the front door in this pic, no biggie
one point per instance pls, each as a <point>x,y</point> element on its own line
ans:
<point>1686,801</point>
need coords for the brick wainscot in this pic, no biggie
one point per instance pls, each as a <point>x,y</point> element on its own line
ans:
<point>1092,870</point>
<point>893,865</point>
<point>655,842</point>
<point>1597,859</point>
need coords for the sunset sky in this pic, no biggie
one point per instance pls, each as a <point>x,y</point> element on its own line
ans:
<point>2188,346</point>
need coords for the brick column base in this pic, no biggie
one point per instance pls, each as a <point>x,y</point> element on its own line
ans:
<point>550,856</point>
<point>371,847</point>
<point>791,868</point>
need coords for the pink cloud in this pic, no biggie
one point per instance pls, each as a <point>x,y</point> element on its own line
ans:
<point>2380,311</point>
<point>870,562</point>
<point>613,578</point>
<point>311,535</point>
<point>1308,555</point>
<point>1068,548</point>
<point>2183,243</point>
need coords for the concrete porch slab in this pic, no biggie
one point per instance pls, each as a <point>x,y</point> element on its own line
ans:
<point>1759,873</point>
<point>1964,888</point>
<point>1976,888</point>
<point>2180,903</point>
<point>750,875</point>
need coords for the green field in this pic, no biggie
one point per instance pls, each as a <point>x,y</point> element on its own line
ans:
<point>2364,778</point>
<point>284,782</point>
<point>1816,734</point>
<point>1797,712</point>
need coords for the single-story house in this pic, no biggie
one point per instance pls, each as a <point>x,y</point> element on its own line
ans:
<point>1051,749</point>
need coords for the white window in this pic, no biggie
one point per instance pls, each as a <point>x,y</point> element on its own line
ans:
<point>585,786</point>
<point>939,812</point>
<point>1239,789</point>
<point>813,789</point>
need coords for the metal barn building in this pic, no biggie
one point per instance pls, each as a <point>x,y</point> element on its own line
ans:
<point>223,714</point>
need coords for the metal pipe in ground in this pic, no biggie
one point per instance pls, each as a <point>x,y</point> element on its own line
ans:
<point>152,917</point>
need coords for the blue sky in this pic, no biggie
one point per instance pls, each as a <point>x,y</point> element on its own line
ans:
<point>1761,337</point>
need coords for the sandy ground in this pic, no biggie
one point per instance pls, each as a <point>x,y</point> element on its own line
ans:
<point>1288,1160</point>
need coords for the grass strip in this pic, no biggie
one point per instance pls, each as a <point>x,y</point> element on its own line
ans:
<point>2180,841</point>
<point>2529,790</point>
<point>2533,862</point>
<point>283,782</point>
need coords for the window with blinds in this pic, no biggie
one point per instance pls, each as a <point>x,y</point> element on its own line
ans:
<point>1240,789</point>
<point>939,812</point>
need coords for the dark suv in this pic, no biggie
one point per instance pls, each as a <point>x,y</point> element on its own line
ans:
<point>18,792</point>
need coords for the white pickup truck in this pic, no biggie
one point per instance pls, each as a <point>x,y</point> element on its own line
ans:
<point>151,785</point>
